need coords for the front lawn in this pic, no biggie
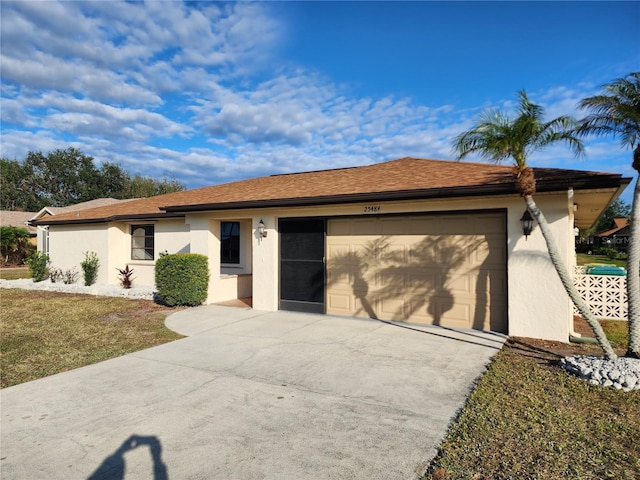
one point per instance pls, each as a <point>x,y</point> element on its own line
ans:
<point>14,273</point>
<point>529,419</point>
<point>43,333</point>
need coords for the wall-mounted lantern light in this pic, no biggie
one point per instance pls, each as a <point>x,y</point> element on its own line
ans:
<point>527,223</point>
<point>262,231</point>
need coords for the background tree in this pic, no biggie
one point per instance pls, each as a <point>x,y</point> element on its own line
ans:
<point>112,181</point>
<point>141,187</point>
<point>66,177</point>
<point>62,177</point>
<point>618,209</point>
<point>497,138</point>
<point>616,112</point>
<point>15,192</point>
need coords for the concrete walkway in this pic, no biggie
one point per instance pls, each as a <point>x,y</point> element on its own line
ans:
<point>250,395</point>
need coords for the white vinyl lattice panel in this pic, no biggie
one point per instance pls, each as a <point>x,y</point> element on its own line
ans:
<point>606,295</point>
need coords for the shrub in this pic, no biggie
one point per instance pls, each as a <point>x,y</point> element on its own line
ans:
<point>182,279</point>
<point>56,275</point>
<point>90,266</point>
<point>70,277</point>
<point>609,252</point>
<point>38,263</point>
<point>124,274</point>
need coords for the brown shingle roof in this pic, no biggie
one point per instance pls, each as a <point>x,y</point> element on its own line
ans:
<point>10,218</point>
<point>620,225</point>
<point>404,178</point>
<point>98,202</point>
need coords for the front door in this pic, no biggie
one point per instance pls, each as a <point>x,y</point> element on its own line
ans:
<point>302,269</point>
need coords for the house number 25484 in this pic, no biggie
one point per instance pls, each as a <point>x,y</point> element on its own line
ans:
<point>372,209</point>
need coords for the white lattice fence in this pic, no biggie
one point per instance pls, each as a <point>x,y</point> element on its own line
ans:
<point>606,295</point>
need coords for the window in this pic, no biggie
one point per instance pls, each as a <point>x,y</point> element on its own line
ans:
<point>230,242</point>
<point>141,242</point>
<point>46,240</point>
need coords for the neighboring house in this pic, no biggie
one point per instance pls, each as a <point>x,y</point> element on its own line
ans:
<point>424,241</point>
<point>41,216</point>
<point>10,218</point>
<point>616,237</point>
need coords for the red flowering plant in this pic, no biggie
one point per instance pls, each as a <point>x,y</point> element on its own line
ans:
<point>125,276</point>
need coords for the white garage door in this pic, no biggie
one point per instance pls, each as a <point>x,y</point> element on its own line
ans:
<point>444,269</point>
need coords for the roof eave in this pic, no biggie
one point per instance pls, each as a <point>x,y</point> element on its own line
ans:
<point>112,218</point>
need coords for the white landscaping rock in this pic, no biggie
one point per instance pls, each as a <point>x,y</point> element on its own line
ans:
<point>136,292</point>
<point>622,373</point>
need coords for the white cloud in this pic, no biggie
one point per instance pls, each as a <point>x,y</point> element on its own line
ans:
<point>169,89</point>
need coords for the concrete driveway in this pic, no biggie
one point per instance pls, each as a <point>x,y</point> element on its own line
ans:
<point>250,395</point>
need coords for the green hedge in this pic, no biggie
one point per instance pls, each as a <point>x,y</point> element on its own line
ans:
<point>182,279</point>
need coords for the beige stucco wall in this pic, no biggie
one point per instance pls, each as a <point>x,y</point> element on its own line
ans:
<point>171,236</point>
<point>538,306</point>
<point>227,282</point>
<point>112,243</point>
<point>67,244</point>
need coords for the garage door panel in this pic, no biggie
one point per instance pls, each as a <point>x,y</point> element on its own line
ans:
<point>418,225</point>
<point>447,224</point>
<point>425,280</point>
<point>497,284</point>
<point>447,269</point>
<point>340,303</point>
<point>341,280</point>
<point>368,226</point>
<point>489,224</point>
<point>339,227</point>
<point>460,284</point>
<point>458,313</point>
<point>392,308</point>
<point>392,226</point>
<point>479,253</point>
<point>337,250</point>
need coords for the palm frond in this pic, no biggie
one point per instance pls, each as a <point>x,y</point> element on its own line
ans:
<point>616,112</point>
<point>497,137</point>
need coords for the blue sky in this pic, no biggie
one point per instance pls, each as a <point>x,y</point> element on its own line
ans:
<point>215,92</point>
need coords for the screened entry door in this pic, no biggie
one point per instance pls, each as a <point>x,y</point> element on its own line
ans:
<point>302,268</point>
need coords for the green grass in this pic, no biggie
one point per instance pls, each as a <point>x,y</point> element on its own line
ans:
<point>14,273</point>
<point>585,259</point>
<point>529,419</point>
<point>43,333</point>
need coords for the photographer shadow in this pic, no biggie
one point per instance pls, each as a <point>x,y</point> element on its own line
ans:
<point>114,466</point>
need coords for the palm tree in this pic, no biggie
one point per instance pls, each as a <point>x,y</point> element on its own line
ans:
<point>497,138</point>
<point>617,112</point>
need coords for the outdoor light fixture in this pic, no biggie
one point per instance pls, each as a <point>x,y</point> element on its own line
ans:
<point>262,231</point>
<point>527,223</point>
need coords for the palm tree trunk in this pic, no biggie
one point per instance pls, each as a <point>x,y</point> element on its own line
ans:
<point>633,275</point>
<point>567,281</point>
